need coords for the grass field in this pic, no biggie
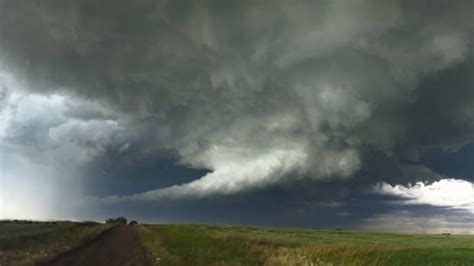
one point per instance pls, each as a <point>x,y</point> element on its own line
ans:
<point>24,243</point>
<point>235,245</point>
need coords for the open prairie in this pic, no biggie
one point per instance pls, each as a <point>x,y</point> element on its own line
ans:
<point>67,243</point>
<point>27,243</point>
<point>237,245</point>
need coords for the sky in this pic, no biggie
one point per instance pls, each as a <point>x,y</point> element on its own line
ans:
<point>328,114</point>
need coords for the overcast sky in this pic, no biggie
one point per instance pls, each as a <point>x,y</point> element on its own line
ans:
<point>354,114</point>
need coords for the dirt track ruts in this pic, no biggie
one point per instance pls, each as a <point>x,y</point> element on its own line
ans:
<point>117,246</point>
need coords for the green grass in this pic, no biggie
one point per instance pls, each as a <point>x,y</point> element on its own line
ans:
<point>236,245</point>
<point>25,243</point>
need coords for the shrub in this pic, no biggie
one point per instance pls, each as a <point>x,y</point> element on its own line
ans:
<point>89,223</point>
<point>118,220</point>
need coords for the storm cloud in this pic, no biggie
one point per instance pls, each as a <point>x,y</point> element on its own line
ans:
<point>253,94</point>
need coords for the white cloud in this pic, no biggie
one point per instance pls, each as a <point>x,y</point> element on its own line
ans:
<point>234,171</point>
<point>451,193</point>
<point>18,108</point>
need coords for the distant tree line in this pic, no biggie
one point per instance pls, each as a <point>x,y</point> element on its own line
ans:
<point>16,221</point>
<point>118,220</point>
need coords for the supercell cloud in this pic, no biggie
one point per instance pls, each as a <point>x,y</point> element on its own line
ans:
<point>256,94</point>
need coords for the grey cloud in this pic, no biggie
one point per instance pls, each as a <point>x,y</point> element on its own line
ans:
<point>257,93</point>
<point>94,134</point>
<point>408,222</point>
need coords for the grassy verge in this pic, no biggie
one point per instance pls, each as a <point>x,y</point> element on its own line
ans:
<point>234,245</point>
<point>28,243</point>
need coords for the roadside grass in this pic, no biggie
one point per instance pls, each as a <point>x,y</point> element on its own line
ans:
<point>26,243</point>
<point>237,245</point>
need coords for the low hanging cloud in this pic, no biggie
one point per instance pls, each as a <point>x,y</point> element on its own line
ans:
<point>258,94</point>
<point>409,223</point>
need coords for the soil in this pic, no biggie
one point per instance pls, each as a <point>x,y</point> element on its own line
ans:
<point>117,246</point>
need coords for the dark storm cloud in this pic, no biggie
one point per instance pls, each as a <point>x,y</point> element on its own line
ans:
<point>259,94</point>
<point>300,207</point>
<point>452,163</point>
<point>116,172</point>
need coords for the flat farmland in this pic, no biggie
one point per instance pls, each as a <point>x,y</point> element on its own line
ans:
<point>237,245</point>
<point>69,243</point>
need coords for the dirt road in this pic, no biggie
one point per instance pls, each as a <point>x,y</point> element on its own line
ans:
<point>117,246</point>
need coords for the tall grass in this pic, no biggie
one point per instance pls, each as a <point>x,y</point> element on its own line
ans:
<point>234,245</point>
<point>26,244</point>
